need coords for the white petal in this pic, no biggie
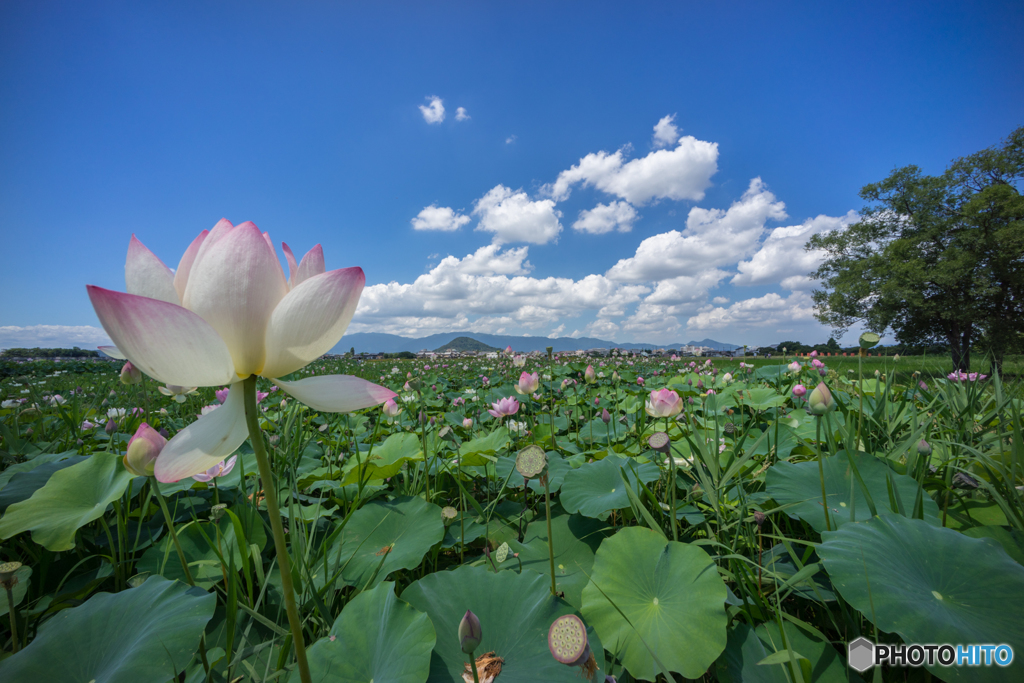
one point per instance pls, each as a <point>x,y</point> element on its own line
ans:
<point>235,286</point>
<point>165,341</point>
<point>185,264</point>
<point>205,442</point>
<point>311,319</point>
<point>311,266</point>
<point>337,393</point>
<point>146,275</point>
<point>293,265</point>
<point>111,351</point>
<point>216,233</point>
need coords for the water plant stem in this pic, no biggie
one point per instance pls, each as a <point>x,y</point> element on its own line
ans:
<point>472,664</point>
<point>154,486</point>
<point>551,541</point>
<point>821,474</point>
<point>15,643</point>
<point>280,544</point>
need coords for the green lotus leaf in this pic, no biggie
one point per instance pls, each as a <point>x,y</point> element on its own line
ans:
<point>71,498</point>
<point>23,484</point>
<point>576,539</point>
<point>142,635</point>
<point>384,536</point>
<point>800,485</point>
<point>515,612</point>
<point>472,453</point>
<point>931,585</point>
<point>747,647</point>
<point>672,604</point>
<point>377,637</point>
<point>386,459</point>
<point>597,487</point>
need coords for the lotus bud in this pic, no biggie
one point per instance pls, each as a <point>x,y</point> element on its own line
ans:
<point>615,377</point>
<point>589,375</point>
<point>924,448</point>
<point>470,633</point>
<point>467,423</point>
<point>110,427</point>
<point>143,449</point>
<point>605,416</point>
<point>130,374</point>
<point>391,409</point>
<point>799,390</point>
<point>820,401</point>
<point>794,366</point>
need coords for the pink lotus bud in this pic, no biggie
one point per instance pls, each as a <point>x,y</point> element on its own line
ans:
<point>110,427</point>
<point>814,354</point>
<point>222,394</point>
<point>87,425</point>
<point>528,383</point>
<point>817,363</point>
<point>391,409</point>
<point>130,374</point>
<point>820,401</point>
<point>143,449</point>
<point>795,366</point>
<point>470,631</point>
<point>467,423</point>
<point>597,401</point>
<point>663,403</point>
<point>640,381</point>
<point>605,416</point>
<point>589,375</point>
<point>924,448</point>
<point>799,390</point>
<point>508,350</point>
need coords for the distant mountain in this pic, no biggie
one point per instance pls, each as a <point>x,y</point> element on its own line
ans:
<point>379,342</point>
<point>465,344</point>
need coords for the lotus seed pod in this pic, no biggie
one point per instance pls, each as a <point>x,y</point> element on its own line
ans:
<point>7,574</point>
<point>448,513</point>
<point>470,633</point>
<point>868,340</point>
<point>531,461</point>
<point>501,554</point>
<point>567,640</point>
<point>660,442</point>
<point>759,518</point>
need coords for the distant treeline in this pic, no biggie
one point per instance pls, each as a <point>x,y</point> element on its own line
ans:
<point>831,346</point>
<point>49,353</point>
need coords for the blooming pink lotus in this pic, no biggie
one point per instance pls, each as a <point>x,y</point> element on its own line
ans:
<point>663,403</point>
<point>528,383</point>
<point>228,312</point>
<point>506,407</point>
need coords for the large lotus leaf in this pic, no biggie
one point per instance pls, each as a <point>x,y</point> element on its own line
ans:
<point>384,536</point>
<point>464,527</point>
<point>762,398</point>
<point>576,539</point>
<point>800,485</point>
<point>29,465</point>
<point>747,647</point>
<point>515,612</point>
<point>23,575</point>
<point>671,595</point>
<point>201,542</point>
<point>23,484</point>
<point>1012,541</point>
<point>72,498</point>
<point>478,451</point>
<point>141,635</point>
<point>597,487</point>
<point>386,459</point>
<point>931,585</point>
<point>377,637</point>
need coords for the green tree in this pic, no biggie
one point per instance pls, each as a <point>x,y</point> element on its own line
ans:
<point>934,258</point>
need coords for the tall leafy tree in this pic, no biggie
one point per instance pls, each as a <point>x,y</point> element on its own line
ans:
<point>934,258</point>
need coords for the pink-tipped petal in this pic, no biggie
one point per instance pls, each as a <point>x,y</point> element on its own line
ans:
<point>146,275</point>
<point>337,393</point>
<point>216,234</point>
<point>185,264</point>
<point>293,265</point>
<point>167,342</point>
<point>311,266</point>
<point>205,442</point>
<point>111,351</point>
<point>311,319</point>
<point>270,243</point>
<point>235,287</point>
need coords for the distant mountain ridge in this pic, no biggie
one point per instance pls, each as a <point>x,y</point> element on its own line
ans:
<point>379,342</point>
<point>465,344</point>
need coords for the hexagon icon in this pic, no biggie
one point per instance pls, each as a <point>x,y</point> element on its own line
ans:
<point>861,654</point>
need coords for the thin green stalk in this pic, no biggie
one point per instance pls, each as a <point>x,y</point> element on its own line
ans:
<point>472,662</point>
<point>551,542</point>
<point>280,544</point>
<point>16,644</point>
<point>821,474</point>
<point>155,488</point>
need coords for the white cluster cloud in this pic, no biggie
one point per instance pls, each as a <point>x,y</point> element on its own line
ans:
<point>433,112</point>
<point>442,218</point>
<point>765,311</point>
<point>52,336</point>
<point>680,173</point>
<point>461,114</point>
<point>606,218</point>
<point>513,217</point>
<point>665,132</point>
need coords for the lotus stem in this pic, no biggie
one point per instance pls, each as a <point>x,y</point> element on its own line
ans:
<point>821,474</point>
<point>472,664</point>
<point>280,544</point>
<point>15,643</point>
<point>551,541</point>
<point>155,486</point>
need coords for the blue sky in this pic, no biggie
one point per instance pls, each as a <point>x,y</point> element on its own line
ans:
<point>631,171</point>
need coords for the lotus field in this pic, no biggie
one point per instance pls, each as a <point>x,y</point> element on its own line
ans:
<point>223,504</point>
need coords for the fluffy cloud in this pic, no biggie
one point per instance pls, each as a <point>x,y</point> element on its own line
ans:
<point>757,313</point>
<point>442,218</point>
<point>680,173</point>
<point>53,336</point>
<point>461,114</point>
<point>492,284</point>
<point>665,132</point>
<point>434,111</point>
<point>606,218</point>
<point>513,217</point>
<point>782,257</point>
<point>712,238</point>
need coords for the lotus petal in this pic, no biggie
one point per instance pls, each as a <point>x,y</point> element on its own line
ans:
<point>337,393</point>
<point>311,319</point>
<point>205,442</point>
<point>146,275</point>
<point>111,351</point>
<point>185,264</point>
<point>311,266</point>
<point>235,286</point>
<point>165,341</point>
<point>293,265</point>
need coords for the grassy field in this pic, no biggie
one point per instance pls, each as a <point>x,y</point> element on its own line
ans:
<point>928,366</point>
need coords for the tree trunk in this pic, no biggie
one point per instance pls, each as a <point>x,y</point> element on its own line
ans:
<point>960,347</point>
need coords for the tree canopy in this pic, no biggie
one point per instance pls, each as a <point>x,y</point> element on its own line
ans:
<point>934,258</point>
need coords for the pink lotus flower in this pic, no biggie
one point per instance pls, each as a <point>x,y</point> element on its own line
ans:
<point>219,470</point>
<point>143,449</point>
<point>640,381</point>
<point>962,376</point>
<point>528,383</point>
<point>467,422</point>
<point>663,403</point>
<point>817,363</point>
<point>506,407</point>
<point>795,366</point>
<point>228,312</point>
<point>799,390</point>
<point>222,394</point>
